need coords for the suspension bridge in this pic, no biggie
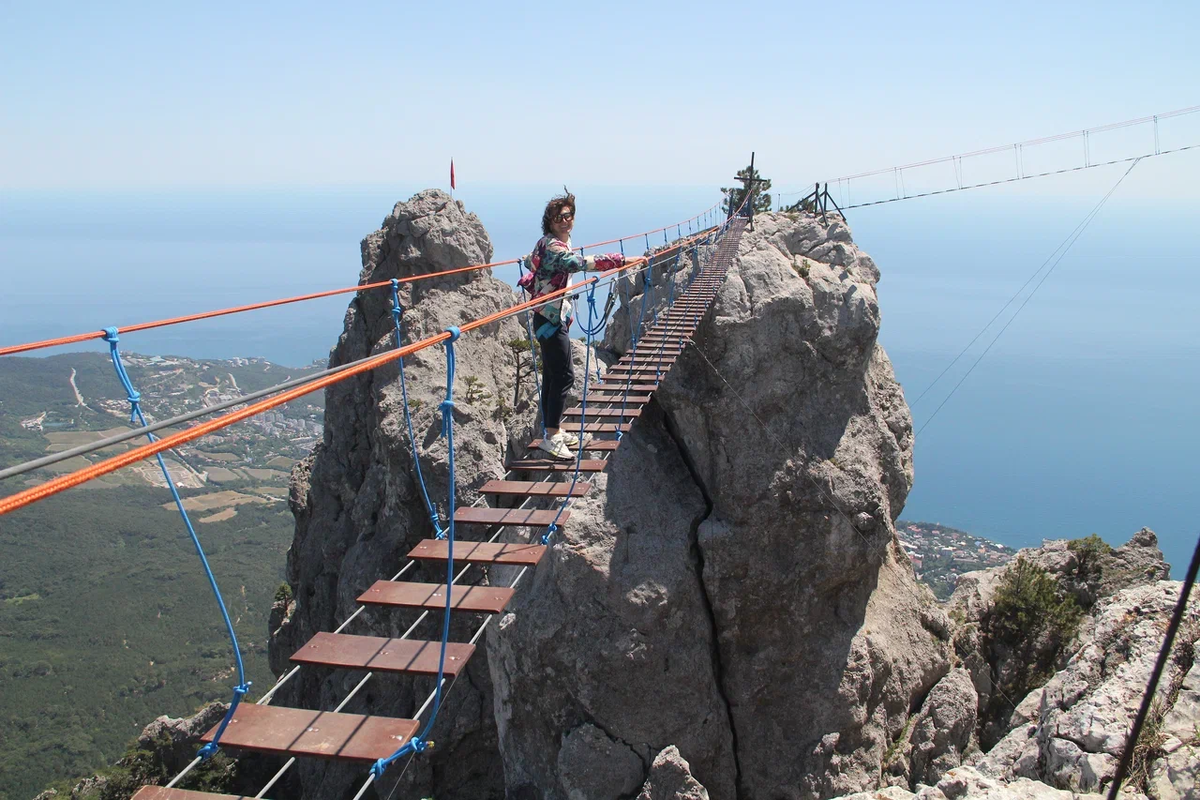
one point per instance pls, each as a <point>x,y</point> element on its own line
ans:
<point>542,489</point>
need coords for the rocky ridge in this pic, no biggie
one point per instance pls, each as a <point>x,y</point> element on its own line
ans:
<point>728,614</point>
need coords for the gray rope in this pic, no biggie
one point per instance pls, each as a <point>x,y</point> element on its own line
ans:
<point>133,433</point>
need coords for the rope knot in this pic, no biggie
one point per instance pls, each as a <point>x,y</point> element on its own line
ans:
<point>549,531</point>
<point>110,335</point>
<point>208,751</point>
<point>241,689</point>
<point>135,399</point>
<point>454,333</point>
<point>447,407</point>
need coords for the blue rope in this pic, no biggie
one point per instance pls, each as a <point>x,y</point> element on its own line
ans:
<point>420,742</point>
<point>633,340</point>
<point>111,335</point>
<point>552,528</point>
<point>537,377</point>
<point>670,302</point>
<point>591,315</point>
<point>654,318</point>
<point>397,315</point>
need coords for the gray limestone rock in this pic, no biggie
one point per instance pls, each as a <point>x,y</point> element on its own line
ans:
<point>1089,575</point>
<point>594,767</point>
<point>967,783</point>
<point>612,629</point>
<point>944,728</point>
<point>671,778</point>
<point>1083,714</point>
<point>176,740</point>
<point>358,503</point>
<point>740,571</point>
<point>1176,774</point>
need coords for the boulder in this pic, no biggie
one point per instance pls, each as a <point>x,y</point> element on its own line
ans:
<point>671,778</point>
<point>944,729</point>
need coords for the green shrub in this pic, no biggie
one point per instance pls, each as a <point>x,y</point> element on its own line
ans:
<point>1029,602</point>
<point>1032,619</point>
<point>1088,552</point>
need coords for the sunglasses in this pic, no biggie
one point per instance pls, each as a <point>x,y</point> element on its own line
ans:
<point>565,216</point>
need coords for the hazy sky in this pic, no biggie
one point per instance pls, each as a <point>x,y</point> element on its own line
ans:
<point>140,94</point>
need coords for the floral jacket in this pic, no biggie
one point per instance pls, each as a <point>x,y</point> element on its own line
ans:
<point>550,266</point>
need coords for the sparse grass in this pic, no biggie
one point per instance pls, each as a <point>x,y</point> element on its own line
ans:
<point>1149,745</point>
<point>901,739</point>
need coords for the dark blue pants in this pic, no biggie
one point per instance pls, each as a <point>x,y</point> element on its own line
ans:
<point>558,373</point>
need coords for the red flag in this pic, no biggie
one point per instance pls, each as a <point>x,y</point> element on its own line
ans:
<point>452,174</point>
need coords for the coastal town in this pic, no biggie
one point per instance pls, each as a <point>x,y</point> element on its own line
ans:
<point>86,403</point>
<point>939,554</point>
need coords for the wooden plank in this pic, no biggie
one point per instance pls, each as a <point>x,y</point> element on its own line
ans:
<point>553,465</point>
<point>617,397</point>
<point>481,552</point>
<point>648,357</point>
<point>381,654</point>
<point>594,444</point>
<point>162,793</point>
<point>532,517</point>
<point>325,734</point>
<point>629,412</point>
<point>480,599</point>
<point>634,386</point>
<point>596,427</point>
<point>536,488</point>
<point>619,371</point>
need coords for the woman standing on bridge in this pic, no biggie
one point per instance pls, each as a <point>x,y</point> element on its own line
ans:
<point>550,266</point>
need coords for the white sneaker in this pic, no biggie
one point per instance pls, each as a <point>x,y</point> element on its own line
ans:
<point>572,441</point>
<point>556,447</point>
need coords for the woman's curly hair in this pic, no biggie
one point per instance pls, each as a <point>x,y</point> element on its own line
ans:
<point>555,207</point>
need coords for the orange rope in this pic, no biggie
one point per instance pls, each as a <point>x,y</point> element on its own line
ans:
<point>647,233</point>
<point>142,326</point>
<point>64,482</point>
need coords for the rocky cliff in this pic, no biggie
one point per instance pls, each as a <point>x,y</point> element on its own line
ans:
<point>357,502</point>
<point>734,588</point>
<point>728,614</point>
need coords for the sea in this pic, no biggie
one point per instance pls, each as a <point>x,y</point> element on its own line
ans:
<point>1079,418</point>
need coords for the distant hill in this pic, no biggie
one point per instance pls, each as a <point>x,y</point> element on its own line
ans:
<point>106,618</point>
